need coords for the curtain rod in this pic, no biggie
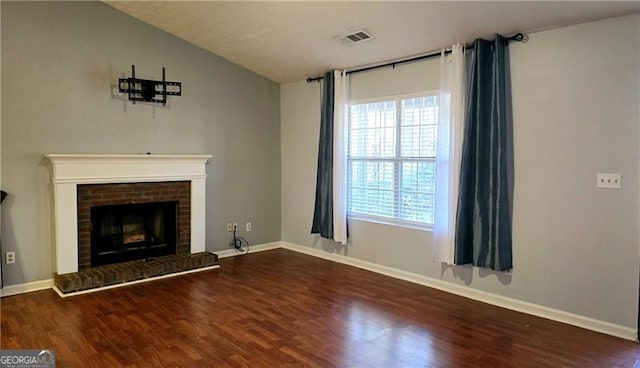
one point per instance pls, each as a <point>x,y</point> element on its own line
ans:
<point>516,37</point>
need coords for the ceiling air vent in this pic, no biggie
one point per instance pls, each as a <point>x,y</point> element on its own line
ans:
<point>355,37</point>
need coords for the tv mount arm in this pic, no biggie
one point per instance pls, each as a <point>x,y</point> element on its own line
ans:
<point>147,90</point>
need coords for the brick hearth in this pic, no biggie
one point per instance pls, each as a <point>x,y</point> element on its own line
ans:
<point>119,273</point>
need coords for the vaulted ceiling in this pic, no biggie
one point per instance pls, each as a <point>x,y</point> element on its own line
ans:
<point>289,41</point>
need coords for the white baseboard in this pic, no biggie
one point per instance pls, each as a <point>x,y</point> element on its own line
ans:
<point>252,249</point>
<point>26,288</point>
<point>483,296</point>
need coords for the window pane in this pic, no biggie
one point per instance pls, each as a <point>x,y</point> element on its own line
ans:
<point>371,188</point>
<point>356,174</point>
<point>379,175</point>
<point>419,124</point>
<point>417,191</point>
<point>355,120</point>
<point>428,137</point>
<point>372,131</point>
<point>408,177</point>
<point>384,202</point>
<point>356,142</point>
<point>417,207</point>
<point>426,177</point>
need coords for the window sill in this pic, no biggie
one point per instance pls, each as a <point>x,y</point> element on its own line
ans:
<point>390,222</point>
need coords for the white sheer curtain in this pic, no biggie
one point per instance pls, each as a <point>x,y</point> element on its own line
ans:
<point>450,130</point>
<point>339,156</point>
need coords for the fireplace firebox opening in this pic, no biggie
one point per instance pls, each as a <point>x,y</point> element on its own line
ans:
<point>128,232</point>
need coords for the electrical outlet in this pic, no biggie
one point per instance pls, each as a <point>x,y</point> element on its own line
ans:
<point>248,226</point>
<point>10,257</point>
<point>609,181</point>
<point>229,227</point>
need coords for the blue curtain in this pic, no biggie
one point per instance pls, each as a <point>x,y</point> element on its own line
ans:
<point>483,235</point>
<point>323,211</point>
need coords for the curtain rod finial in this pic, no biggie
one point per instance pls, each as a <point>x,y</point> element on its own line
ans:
<point>521,37</point>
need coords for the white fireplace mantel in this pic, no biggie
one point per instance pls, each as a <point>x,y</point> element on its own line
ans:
<point>69,170</point>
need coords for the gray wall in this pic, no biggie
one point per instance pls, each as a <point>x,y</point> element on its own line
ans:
<point>59,62</point>
<point>575,103</point>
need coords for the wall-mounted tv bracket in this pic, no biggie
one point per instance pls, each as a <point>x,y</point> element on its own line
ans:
<point>146,90</point>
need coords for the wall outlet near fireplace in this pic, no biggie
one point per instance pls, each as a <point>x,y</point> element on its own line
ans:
<point>229,227</point>
<point>249,226</point>
<point>10,257</point>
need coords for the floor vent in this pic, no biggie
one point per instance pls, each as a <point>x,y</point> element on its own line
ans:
<point>355,37</point>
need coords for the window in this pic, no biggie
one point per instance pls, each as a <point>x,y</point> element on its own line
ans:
<point>391,159</point>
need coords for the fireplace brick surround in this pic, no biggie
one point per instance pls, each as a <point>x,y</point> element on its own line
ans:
<point>90,195</point>
<point>80,180</point>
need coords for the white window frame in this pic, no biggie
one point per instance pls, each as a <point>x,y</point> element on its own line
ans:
<point>394,221</point>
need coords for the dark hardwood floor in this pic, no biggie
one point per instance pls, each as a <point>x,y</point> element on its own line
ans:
<point>281,308</point>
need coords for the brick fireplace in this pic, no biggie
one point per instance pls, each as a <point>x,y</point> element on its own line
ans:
<point>81,182</point>
<point>93,197</point>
